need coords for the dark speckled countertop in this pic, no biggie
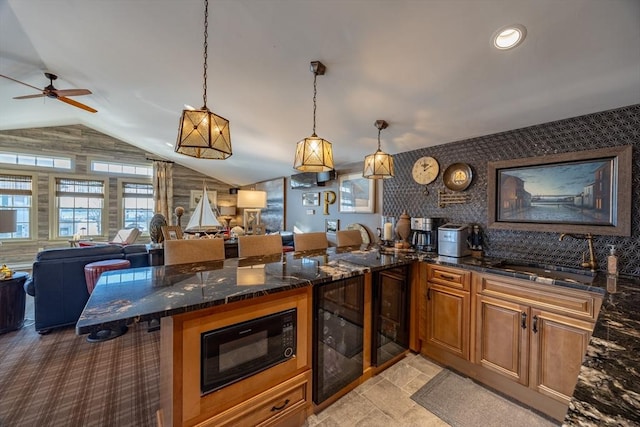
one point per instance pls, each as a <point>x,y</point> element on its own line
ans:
<point>608,389</point>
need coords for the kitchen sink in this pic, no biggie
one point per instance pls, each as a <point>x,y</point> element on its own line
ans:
<point>549,271</point>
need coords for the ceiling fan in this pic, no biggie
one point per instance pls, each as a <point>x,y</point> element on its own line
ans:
<point>60,94</point>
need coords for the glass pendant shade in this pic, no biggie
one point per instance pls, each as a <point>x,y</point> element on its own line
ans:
<point>378,165</point>
<point>203,135</point>
<point>314,154</point>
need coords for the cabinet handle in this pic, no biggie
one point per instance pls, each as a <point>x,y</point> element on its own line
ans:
<point>429,294</point>
<point>445,277</point>
<point>535,324</point>
<point>280,408</point>
<point>523,317</point>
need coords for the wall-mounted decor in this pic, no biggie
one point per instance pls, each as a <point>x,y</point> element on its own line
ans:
<point>311,199</point>
<point>196,195</point>
<point>172,232</point>
<point>356,193</point>
<point>581,192</point>
<point>273,215</point>
<point>331,225</point>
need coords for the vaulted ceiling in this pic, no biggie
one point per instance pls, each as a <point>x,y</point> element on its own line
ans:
<point>427,67</point>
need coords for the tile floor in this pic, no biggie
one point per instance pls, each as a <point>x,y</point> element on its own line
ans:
<point>384,400</point>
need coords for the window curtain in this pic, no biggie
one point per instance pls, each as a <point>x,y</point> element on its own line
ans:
<point>163,189</point>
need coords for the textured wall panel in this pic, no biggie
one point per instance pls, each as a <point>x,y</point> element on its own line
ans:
<point>605,129</point>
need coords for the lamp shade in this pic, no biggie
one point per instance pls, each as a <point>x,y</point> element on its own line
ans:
<point>203,135</point>
<point>252,199</point>
<point>227,210</point>
<point>378,165</point>
<point>8,220</point>
<point>314,154</point>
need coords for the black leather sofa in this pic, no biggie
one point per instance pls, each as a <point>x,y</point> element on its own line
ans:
<point>58,285</point>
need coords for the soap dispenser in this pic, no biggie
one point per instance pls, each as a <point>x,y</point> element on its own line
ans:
<point>612,270</point>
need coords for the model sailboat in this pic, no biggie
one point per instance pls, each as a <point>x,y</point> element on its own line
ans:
<point>203,219</point>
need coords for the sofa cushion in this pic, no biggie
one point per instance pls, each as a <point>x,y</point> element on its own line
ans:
<point>88,251</point>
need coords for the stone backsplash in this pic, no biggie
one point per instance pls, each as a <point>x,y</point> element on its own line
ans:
<point>605,129</point>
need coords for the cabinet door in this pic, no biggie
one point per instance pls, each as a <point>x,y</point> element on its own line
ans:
<point>502,343</point>
<point>558,346</point>
<point>448,319</point>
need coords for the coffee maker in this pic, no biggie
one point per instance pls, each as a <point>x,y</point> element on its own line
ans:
<point>424,234</point>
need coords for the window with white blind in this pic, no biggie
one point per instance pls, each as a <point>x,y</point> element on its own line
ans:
<point>80,207</point>
<point>137,205</point>
<point>16,193</point>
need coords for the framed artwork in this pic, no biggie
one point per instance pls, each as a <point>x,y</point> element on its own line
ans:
<point>171,232</point>
<point>356,193</point>
<point>311,199</point>
<point>273,215</point>
<point>331,225</point>
<point>581,192</point>
<point>196,195</point>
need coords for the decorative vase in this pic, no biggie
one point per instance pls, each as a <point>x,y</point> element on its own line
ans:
<point>403,228</point>
<point>155,228</point>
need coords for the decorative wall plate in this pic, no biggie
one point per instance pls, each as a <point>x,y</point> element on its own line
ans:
<point>457,177</point>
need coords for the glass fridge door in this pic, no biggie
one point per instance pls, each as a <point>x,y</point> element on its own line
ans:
<point>338,336</point>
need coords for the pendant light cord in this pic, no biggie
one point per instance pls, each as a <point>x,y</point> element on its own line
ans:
<point>206,46</point>
<point>379,130</point>
<point>315,91</point>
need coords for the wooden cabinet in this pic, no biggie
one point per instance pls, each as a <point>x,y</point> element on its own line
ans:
<point>533,334</point>
<point>448,316</point>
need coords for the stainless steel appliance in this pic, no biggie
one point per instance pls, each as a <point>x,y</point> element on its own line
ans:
<point>239,351</point>
<point>424,234</point>
<point>452,240</point>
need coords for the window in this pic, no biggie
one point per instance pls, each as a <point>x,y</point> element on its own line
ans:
<point>121,168</point>
<point>80,207</point>
<point>16,193</point>
<point>23,159</point>
<point>137,205</point>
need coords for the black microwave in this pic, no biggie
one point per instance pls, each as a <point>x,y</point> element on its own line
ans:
<point>239,351</point>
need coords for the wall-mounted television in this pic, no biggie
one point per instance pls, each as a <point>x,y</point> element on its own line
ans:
<point>311,179</point>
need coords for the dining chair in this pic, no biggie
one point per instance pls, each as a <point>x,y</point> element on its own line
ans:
<point>310,241</point>
<point>348,238</point>
<point>193,250</point>
<point>255,245</point>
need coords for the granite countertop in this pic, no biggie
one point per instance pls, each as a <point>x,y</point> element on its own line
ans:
<point>123,297</point>
<point>608,389</point>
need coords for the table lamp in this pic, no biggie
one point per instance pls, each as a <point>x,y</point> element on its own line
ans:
<point>254,201</point>
<point>8,221</point>
<point>227,213</point>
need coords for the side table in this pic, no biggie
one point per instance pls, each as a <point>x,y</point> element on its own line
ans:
<point>12,302</point>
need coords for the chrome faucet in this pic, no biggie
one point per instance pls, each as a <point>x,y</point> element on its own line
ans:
<point>592,263</point>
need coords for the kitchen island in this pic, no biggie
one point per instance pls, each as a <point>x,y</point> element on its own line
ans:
<point>136,295</point>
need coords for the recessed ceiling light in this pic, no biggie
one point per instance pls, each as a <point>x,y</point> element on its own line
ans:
<point>509,37</point>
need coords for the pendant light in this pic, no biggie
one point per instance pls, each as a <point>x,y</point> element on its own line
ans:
<point>203,134</point>
<point>314,154</point>
<point>378,165</point>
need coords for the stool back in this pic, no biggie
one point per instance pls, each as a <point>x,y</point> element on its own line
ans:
<point>348,238</point>
<point>192,250</point>
<point>256,245</point>
<point>310,241</point>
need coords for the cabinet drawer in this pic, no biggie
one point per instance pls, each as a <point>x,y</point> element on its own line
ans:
<point>447,276</point>
<point>268,408</point>
<point>566,301</point>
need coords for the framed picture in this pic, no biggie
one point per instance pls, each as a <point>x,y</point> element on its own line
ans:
<point>311,199</point>
<point>196,195</point>
<point>356,193</point>
<point>171,232</point>
<point>331,225</point>
<point>581,192</point>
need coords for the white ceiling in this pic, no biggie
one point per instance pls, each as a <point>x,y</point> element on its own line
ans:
<point>425,66</point>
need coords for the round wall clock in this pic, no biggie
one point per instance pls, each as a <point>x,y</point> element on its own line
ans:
<point>457,177</point>
<point>425,170</point>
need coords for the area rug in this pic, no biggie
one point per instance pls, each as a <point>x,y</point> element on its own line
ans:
<point>60,379</point>
<point>463,403</point>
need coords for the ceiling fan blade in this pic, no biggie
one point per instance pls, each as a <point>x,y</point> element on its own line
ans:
<point>77,104</point>
<point>40,95</point>
<point>72,92</point>
<point>22,83</point>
